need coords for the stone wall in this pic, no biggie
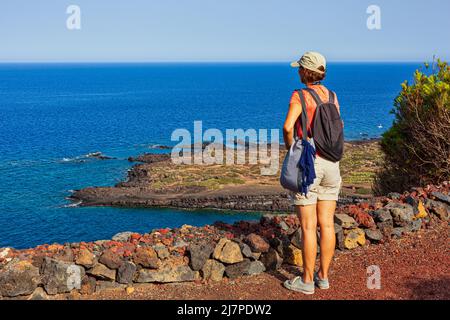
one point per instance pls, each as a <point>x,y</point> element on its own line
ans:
<point>208,253</point>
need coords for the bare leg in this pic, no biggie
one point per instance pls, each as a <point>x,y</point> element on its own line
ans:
<point>325,215</point>
<point>308,221</point>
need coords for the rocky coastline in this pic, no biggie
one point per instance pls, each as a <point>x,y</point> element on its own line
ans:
<point>238,198</point>
<point>210,253</point>
<point>156,182</point>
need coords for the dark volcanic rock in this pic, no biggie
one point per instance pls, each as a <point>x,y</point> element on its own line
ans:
<point>438,208</point>
<point>199,253</point>
<point>402,214</point>
<point>384,221</point>
<point>382,215</point>
<point>131,194</point>
<point>238,269</point>
<point>279,244</point>
<point>296,238</point>
<point>60,277</point>
<point>441,197</point>
<point>256,267</point>
<point>126,272</point>
<point>150,157</point>
<point>339,232</point>
<point>245,249</point>
<point>271,260</point>
<point>374,234</point>
<point>160,147</point>
<point>98,155</point>
<point>386,228</point>
<point>18,278</point>
<point>413,202</point>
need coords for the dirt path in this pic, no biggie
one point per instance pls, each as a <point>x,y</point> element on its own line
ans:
<point>415,267</point>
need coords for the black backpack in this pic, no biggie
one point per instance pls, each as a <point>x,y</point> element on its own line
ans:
<point>327,127</point>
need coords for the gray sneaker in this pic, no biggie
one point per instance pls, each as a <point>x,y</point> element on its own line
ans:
<point>298,285</point>
<point>321,283</point>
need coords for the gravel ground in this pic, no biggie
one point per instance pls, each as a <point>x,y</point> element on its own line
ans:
<point>414,267</point>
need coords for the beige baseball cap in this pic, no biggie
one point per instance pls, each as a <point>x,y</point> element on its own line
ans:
<point>311,60</point>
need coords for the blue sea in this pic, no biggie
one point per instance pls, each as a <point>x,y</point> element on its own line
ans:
<point>53,115</point>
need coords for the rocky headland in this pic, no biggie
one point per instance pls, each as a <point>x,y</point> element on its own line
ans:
<point>156,181</point>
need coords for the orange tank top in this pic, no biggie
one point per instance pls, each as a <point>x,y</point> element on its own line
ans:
<point>311,105</point>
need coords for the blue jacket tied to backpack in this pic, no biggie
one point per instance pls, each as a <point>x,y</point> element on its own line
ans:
<point>306,166</point>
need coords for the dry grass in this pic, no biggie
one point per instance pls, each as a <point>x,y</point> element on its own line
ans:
<point>358,167</point>
<point>360,163</point>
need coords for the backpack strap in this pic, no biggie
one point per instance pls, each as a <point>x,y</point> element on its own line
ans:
<point>315,96</point>
<point>303,116</point>
<point>331,96</point>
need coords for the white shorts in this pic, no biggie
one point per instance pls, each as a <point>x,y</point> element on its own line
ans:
<point>326,186</point>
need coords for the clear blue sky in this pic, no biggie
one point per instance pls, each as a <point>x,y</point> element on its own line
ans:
<point>225,30</point>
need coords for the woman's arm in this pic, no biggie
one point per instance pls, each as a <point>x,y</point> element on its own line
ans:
<point>294,112</point>
<point>336,102</point>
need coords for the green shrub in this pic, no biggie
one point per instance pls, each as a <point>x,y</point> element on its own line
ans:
<point>417,146</point>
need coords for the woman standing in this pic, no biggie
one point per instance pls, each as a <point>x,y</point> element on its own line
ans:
<point>317,207</point>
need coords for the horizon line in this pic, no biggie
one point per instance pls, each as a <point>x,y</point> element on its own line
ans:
<point>192,61</point>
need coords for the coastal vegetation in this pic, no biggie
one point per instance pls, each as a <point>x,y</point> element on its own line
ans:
<point>361,162</point>
<point>417,146</point>
<point>358,167</point>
